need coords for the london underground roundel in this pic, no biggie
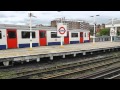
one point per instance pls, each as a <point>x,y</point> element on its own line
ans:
<point>112,32</point>
<point>62,30</point>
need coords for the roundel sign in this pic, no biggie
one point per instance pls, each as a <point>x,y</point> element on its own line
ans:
<point>61,29</point>
<point>112,32</point>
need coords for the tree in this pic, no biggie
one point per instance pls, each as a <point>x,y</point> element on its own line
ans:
<point>91,32</point>
<point>105,31</point>
<point>118,32</point>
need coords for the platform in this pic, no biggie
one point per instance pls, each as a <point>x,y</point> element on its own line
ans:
<point>26,54</point>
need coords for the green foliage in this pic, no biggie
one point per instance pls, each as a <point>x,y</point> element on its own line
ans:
<point>97,34</point>
<point>91,32</point>
<point>118,32</point>
<point>105,31</point>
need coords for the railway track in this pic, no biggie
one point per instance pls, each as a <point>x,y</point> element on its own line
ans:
<point>86,68</point>
<point>109,73</point>
<point>5,67</point>
<point>84,63</point>
<point>115,77</point>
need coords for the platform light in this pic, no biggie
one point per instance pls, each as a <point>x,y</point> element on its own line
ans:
<point>94,27</point>
<point>61,36</point>
<point>31,15</point>
<point>112,26</point>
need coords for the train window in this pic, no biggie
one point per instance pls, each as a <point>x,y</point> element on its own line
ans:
<point>0,35</point>
<point>27,34</point>
<point>33,35</point>
<point>81,34</point>
<point>42,34</point>
<point>53,34</point>
<point>74,34</point>
<point>85,35</point>
<point>11,34</point>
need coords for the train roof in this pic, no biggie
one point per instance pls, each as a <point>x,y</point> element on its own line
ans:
<point>26,27</point>
<point>11,26</point>
<point>80,30</point>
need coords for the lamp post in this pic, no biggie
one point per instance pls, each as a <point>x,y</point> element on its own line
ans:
<point>112,27</point>
<point>94,27</point>
<point>30,15</point>
<point>61,36</point>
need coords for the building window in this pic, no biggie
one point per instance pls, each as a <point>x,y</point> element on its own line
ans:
<point>53,34</point>
<point>0,35</point>
<point>27,34</point>
<point>74,34</point>
<point>42,34</point>
<point>11,34</point>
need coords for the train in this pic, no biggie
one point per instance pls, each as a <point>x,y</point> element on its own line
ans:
<point>18,36</point>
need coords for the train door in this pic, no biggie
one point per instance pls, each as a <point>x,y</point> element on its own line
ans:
<point>66,39</point>
<point>42,38</point>
<point>11,38</point>
<point>81,37</point>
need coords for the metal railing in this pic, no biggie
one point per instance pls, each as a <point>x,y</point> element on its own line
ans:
<point>106,38</point>
<point>101,39</point>
<point>117,39</point>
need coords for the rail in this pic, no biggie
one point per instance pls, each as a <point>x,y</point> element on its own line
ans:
<point>27,74</point>
<point>77,71</point>
<point>101,74</point>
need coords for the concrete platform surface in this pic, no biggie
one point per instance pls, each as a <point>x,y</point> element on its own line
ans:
<point>9,53</point>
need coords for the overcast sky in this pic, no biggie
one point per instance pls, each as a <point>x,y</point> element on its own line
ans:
<point>44,17</point>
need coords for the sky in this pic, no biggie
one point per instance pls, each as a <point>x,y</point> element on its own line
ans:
<point>44,17</point>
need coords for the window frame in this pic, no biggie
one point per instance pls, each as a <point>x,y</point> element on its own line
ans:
<point>73,36</point>
<point>41,35</point>
<point>11,36</point>
<point>28,37</point>
<point>54,36</point>
<point>0,34</point>
<point>81,34</point>
<point>85,34</point>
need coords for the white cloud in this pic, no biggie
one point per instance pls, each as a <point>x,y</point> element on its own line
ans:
<point>44,17</point>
